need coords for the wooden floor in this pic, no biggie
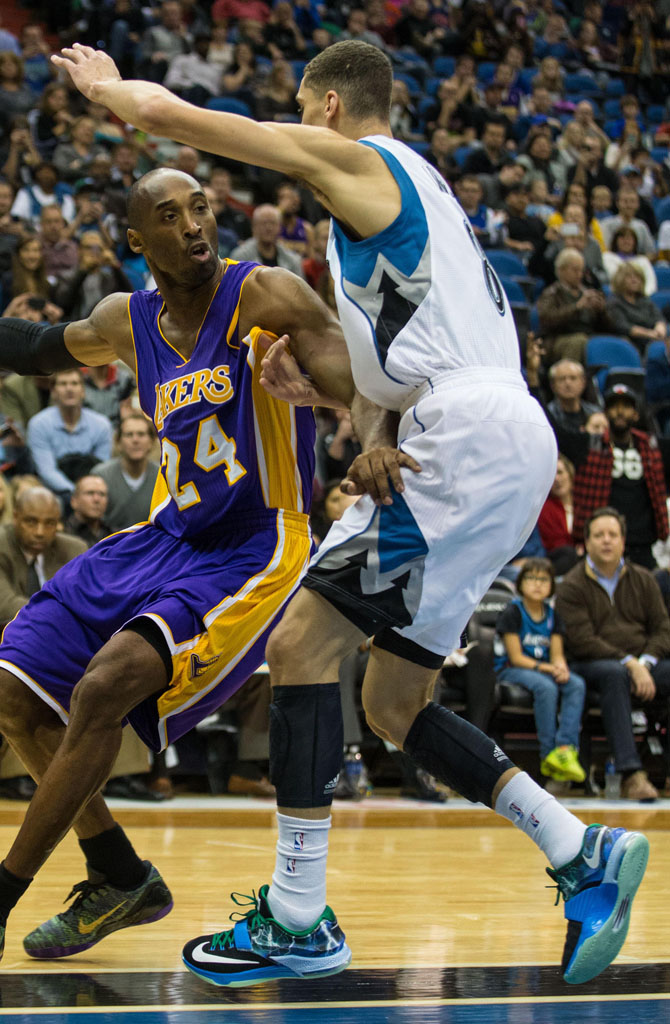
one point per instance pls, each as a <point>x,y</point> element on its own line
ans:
<point>431,911</point>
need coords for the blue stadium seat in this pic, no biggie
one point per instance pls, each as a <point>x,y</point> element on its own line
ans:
<point>662,209</point>
<point>486,70</point>
<point>661,298</point>
<point>526,77</point>
<point>460,154</point>
<point>659,154</point>
<point>658,373</point>
<point>612,108</point>
<point>425,104</point>
<point>419,147</point>
<point>410,81</point>
<point>432,85</point>
<point>615,87</point>
<point>579,82</point>
<point>229,105</point>
<point>612,129</point>
<point>655,113</point>
<point>514,291</point>
<point>507,264</point>
<point>298,69</point>
<point>607,351</point>
<point>662,277</point>
<point>534,320</point>
<point>444,66</point>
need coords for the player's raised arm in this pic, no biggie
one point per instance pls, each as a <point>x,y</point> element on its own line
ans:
<point>352,180</point>
<point>28,348</point>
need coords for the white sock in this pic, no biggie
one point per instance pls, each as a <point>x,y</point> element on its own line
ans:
<point>558,833</point>
<point>297,896</point>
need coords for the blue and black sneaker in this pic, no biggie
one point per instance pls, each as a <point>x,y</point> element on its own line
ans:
<point>258,948</point>
<point>598,887</point>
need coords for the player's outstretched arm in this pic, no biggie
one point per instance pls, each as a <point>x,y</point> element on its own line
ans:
<point>318,155</point>
<point>28,348</point>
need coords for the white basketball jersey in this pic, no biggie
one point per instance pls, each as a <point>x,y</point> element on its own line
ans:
<point>419,298</point>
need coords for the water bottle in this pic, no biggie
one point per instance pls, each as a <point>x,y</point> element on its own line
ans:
<point>612,781</point>
<point>355,770</point>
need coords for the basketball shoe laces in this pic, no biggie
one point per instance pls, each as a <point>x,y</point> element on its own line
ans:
<point>253,916</point>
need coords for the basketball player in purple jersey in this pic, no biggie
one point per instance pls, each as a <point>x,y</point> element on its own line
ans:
<point>158,624</point>
<point>431,338</point>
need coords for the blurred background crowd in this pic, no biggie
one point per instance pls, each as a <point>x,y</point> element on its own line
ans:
<point>550,119</point>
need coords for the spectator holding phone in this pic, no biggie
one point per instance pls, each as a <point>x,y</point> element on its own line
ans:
<point>99,274</point>
<point>28,277</point>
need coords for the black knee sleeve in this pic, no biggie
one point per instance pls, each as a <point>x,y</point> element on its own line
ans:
<point>306,742</point>
<point>456,753</point>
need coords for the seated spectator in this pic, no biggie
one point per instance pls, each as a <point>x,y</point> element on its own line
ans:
<point>131,475</point>
<point>416,29</point>
<point>164,40</point>
<point>264,246</point>
<point>569,145</point>
<point>628,204</point>
<point>97,275</point>
<point>538,195</point>
<point>529,653</point>
<point>53,119</point>
<point>487,224</point>
<point>590,169</point>
<point>296,233</point>
<point>550,76</point>
<point>284,39</point>
<point>90,213</point>
<point>120,24</point>
<point>73,159</point>
<point>491,154</point>
<point>88,502</point>
<point>617,638</point>
<point>108,389</point>
<point>336,450</point>
<point>192,76</point>
<point>439,154</point>
<point>573,233</point>
<point>8,41</point>
<point>568,312</point>
<point>227,239</point>
<point>575,196</point>
<point>568,409</point>
<point>489,110</point>
<point>32,549</point>
<point>16,96</point>
<point>315,265</point>
<point>507,77</point>
<point>61,253</point>
<point>275,99</point>
<point>555,522</point>
<point>587,45</point>
<point>524,233</point>
<point>228,214</point>
<point>585,116</point>
<point>66,440</point>
<point>45,190</point>
<point>619,152</point>
<point>404,117</point>
<point>624,252</point>
<point>28,277</point>
<point>242,79</point>
<point>601,204</point>
<point>11,227</point>
<point>623,468</point>
<point>19,158</point>
<point>539,159</point>
<point>540,105</point>
<point>35,53</point>
<point>452,114</point>
<point>633,315</point>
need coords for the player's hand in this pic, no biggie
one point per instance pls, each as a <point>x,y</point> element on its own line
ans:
<point>281,375</point>
<point>87,67</point>
<point>376,472</point>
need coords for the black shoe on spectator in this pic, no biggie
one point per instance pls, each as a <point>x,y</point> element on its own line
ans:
<point>21,787</point>
<point>126,787</point>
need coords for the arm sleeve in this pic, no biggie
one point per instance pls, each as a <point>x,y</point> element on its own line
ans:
<point>28,348</point>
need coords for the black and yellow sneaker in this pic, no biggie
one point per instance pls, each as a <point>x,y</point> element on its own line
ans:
<point>98,910</point>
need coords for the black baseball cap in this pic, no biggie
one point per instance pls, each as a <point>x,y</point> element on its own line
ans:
<point>620,391</point>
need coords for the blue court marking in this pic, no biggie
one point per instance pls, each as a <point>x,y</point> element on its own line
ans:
<point>647,1011</point>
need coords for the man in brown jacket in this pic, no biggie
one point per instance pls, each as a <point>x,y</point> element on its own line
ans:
<point>570,313</point>
<point>617,634</point>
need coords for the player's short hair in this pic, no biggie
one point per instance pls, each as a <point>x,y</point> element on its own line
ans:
<point>607,510</point>
<point>358,72</point>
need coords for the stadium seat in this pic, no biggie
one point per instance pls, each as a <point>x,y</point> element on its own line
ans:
<point>605,352</point>
<point>657,385</point>
<point>444,66</point>
<point>612,128</point>
<point>298,68</point>
<point>662,277</point>
<point>426,103</point>
<point>432,85</point>
<point>580,82</point>
<point>229,105</point>
<point>460,154</point>
<point>507,264</point>
<point>615,87</point>
<point>419,147</point>
<point>655,113</point>
<point>662,209</point>
<point>526,77</point>
<point>515,293</point>
<point>659,154</point>
<point>612,108</point>
<point>410,81</point>
<point>486,70</point>
<point>661,298</point>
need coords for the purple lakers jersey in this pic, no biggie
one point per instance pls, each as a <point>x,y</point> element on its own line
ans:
<point>228,449</point>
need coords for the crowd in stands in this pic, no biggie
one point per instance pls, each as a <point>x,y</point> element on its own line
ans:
<point>550,120</point>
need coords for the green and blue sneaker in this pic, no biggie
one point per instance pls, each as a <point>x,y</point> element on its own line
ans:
<point>258,948</point>
<point>562,764</point>
<point>598,887</point>
<point>98,910</point>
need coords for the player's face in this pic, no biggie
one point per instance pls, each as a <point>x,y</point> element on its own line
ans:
<point>179,233</point>
<point>311,107</point>
<point>36,523</point>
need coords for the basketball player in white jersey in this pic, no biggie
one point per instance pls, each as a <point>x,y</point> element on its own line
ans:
<point>432,340</point>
